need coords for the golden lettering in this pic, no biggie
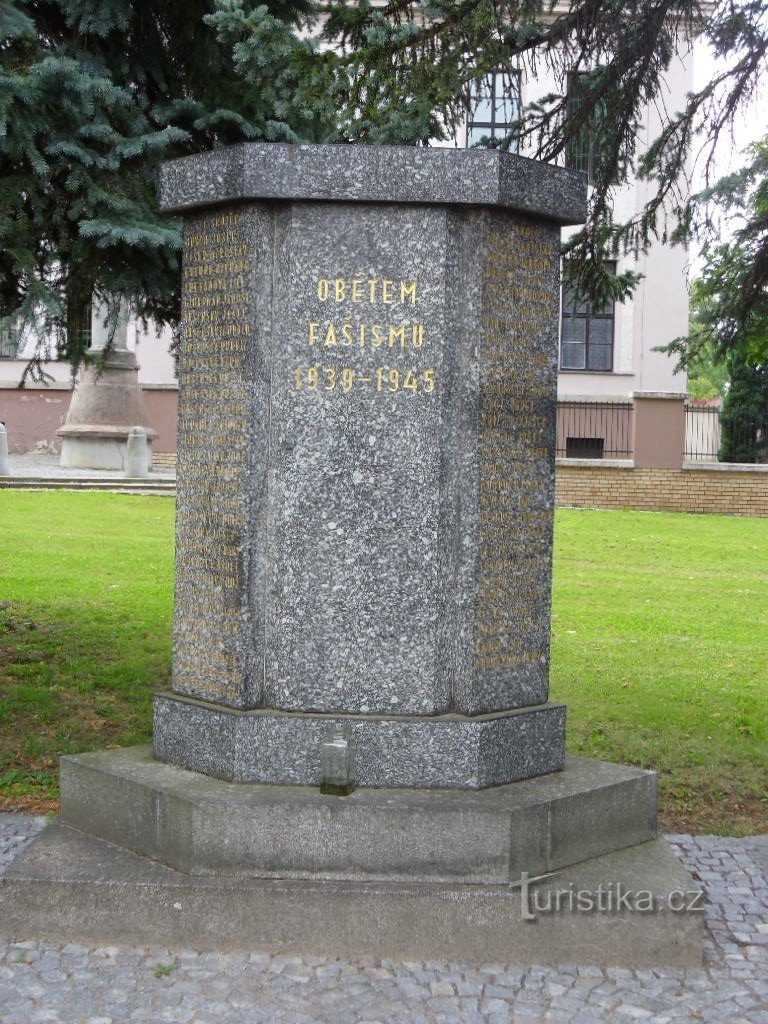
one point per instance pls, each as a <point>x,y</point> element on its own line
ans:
<point>408,290</point>
<point>396,334</point>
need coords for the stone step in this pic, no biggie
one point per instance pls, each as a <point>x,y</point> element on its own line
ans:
<point>70,887</point>
<point>201,825</point>
<point>139,484</point>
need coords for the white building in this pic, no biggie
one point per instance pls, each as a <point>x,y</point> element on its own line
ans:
<point>611,353</point>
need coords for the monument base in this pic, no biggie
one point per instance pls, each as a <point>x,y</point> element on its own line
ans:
<point>106,404</point>
<point>204,826</point>
<point>283,748</point>
<point>96,448</point>
<point>70,887</point>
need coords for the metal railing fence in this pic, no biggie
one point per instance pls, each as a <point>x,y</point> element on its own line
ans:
<point>594,430</point>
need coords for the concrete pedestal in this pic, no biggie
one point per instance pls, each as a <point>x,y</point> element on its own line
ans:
<point>564,868</point>
<point>204,826</point>
<point>71,887</point>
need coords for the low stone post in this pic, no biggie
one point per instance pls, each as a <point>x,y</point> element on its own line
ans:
<point>5,469</point>
<point>137,453</point>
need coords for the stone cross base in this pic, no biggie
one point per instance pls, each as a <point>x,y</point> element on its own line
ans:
<point>106,404</point>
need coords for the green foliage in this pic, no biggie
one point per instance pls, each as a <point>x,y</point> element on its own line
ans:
<point>707,372</point>
<point>744,419</point>
<point>728,337</point>
<point>94,95</point>
<point>731,297</point>
<point>163,970</point>
<point>706,378</point>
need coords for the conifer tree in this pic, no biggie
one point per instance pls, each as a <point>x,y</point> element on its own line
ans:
<point>94,93</point>
<point>744,418</point>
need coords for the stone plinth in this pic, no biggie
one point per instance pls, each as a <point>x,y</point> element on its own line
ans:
<point>282,748</point>
<point>75,888</point>
<point>366,462</point>
<point>180,818</point>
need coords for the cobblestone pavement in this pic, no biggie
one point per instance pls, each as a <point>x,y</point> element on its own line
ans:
<point>69,984</point>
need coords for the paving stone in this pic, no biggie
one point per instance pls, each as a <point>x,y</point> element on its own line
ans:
<point>442,988</point>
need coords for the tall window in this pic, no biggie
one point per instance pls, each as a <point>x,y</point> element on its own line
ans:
<point>9,340</point>
<point>583,151</point>
<point>494,107</point>
<point>586,337</point>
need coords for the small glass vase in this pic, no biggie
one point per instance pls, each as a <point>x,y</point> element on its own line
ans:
<point>337,761</point>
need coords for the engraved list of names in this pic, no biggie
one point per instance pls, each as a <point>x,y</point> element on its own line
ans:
<point>211,615</point>
<point>516,409</point>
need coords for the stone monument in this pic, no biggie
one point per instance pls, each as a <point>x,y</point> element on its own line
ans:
<point>106,403</point>
<point>363,550</point>
<point>365,467</point>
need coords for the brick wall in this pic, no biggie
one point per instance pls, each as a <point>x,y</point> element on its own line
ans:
<point>32,415</point>
<point>733,491</point>
<point>163,460</point>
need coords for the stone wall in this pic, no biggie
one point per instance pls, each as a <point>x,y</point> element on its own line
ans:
<point>732,490</point>
<point>33,415</point>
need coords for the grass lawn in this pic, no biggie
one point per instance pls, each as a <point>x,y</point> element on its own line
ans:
<point>85,618</point>
<point>660,651</point>
<point>660,630</point>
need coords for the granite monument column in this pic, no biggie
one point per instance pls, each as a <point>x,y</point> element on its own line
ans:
<point>365,475</point>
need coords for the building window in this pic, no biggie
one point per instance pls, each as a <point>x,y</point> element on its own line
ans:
<point>582,152</point>
<point>586,335</point>
<point>9,340</point>
<point>494,107</point>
